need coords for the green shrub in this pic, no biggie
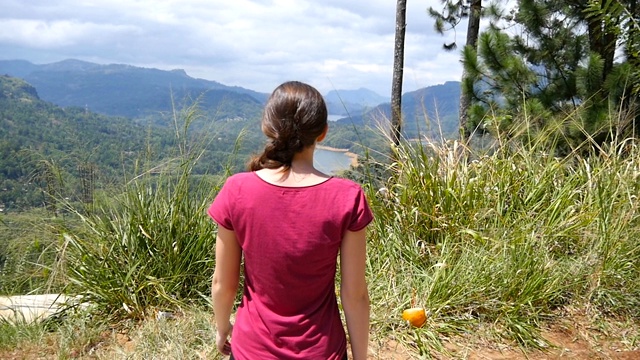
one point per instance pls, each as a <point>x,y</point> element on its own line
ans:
<point>506,236</point>
<point>152,246</point>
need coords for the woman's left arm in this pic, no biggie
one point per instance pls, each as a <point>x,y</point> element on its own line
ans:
<point>224,285</point>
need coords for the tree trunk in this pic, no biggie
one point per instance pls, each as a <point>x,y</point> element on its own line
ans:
<point>602,40</point>
<point>634,34</point>
<point>473,29</point>
<point>398,67</point>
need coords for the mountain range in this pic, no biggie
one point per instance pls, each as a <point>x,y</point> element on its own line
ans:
<point>430,112</point>
<point>74,115</point>
<point>352,102</point>
<point>136,92</point>
<point>124,90</point>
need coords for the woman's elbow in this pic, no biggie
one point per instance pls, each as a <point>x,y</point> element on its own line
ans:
<point>354,297</point>
<point>221,287</point>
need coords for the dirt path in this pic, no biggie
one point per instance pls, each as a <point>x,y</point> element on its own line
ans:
<point>572,337</point>
<point>565,345</point>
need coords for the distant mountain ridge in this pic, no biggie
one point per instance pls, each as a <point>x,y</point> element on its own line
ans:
<point>125,90</point>
<point>430,111</point>
<point>353,102</point>
<point>136,92</point>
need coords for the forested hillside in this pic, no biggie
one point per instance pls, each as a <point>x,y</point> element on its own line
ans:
<point>44,147</point>
<point>48,151</point>
<point>98,125</point>
<point>69,152</point>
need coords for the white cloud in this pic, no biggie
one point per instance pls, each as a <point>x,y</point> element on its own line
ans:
<point>333,44</point>
<point>44,34</point>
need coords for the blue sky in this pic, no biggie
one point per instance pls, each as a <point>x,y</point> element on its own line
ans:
<point>331,44</point>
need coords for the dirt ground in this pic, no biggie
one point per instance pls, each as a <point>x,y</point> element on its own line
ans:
<point>564,346</point>
<point>568,345</point>
<point>572,338</point>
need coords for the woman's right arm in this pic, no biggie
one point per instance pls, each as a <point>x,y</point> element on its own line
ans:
<point>224,285</point>
<point>353,291</point>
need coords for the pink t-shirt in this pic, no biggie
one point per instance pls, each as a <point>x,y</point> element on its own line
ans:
<point>290,238</point>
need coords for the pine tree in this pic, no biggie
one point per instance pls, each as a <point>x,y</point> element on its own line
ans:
<point>560,62</point>
<point>452,14</point>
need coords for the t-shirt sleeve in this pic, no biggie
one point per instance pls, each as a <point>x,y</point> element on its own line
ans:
<point>220,209</point>
<point>361,215</point>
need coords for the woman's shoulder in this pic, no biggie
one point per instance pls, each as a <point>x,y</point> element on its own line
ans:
<point>345,181</point>
<point>347,184</point>
<point>240,177</point>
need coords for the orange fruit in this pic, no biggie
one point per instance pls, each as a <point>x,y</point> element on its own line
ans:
<point>415,316</point>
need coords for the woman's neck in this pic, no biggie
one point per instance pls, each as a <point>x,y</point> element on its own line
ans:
<point>301,173</point>
<point>302,162</point>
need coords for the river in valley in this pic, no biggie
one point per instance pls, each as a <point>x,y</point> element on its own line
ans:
<point>333,161</point>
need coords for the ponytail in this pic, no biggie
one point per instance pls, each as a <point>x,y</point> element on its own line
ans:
<point>294,117</point>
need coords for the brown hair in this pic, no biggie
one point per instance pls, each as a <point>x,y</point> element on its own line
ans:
<point>294,117</point>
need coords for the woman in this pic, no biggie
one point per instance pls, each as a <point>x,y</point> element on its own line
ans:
<point>291,221</point>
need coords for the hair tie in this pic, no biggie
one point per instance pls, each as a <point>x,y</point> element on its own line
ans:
<point>296,129</point>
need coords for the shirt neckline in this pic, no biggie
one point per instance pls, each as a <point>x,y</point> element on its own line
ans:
<point>291,187</point>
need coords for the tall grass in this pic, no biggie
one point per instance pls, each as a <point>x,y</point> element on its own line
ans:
<point>496,242</point>
<point>150,247</point>
<point>28,253</point>
<point>505,238</point>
